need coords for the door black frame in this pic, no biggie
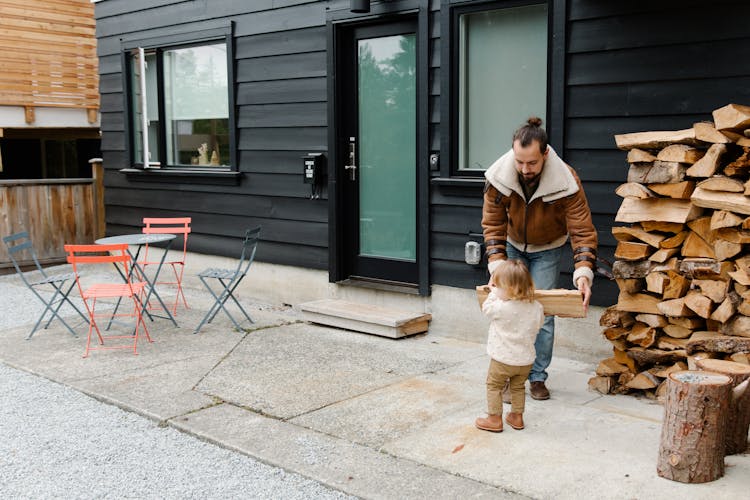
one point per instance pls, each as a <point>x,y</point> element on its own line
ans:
<point>339,24</point>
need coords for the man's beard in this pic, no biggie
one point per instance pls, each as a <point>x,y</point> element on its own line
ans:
<point>530,181</point>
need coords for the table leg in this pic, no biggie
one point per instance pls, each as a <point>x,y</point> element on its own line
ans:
<point>152,283</point>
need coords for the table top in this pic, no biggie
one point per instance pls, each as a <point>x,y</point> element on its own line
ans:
<point>136,239</point>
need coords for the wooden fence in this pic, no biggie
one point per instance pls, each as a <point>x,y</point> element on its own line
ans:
<point>54,212</point>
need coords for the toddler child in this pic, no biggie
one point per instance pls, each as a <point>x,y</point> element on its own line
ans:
<point>515,318</point>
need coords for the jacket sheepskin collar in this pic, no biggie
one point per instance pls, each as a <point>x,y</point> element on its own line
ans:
<point>555,182</point>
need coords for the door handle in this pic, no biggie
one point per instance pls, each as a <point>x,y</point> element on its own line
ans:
<point>352,167</point>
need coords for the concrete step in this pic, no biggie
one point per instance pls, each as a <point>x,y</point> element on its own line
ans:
<point>365,318</point>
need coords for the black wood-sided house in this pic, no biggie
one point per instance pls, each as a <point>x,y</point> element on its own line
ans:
<point>358,140</point>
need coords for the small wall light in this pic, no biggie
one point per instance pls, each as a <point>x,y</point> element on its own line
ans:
<point>359,6</point>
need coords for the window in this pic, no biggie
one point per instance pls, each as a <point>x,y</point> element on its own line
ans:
<point>501,79</point>
<point>181,106</point>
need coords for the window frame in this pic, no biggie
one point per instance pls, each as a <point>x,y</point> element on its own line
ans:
<point>451,11</point>
<point>159,45</point>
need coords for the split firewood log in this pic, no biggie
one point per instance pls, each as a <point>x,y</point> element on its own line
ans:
<point>697,268</point>
<point>722,183</point>
<point>726,310</point>
<point>638,303</point>
<point>718,200</point>
<point>634,190</point>
<point>716,290</point>
<point>643,335</point>
<point>676,286</point>
<point>658,172</point>
<point>602,385</point>
<point>725,250</point>
<point>636,155</point>
<point>662,226</point>
<point>615,332</point>
<point>741,165</point>
<point>668,209</point>
<point>724,218</point>
<point>623,358</point>
<point>609,367</point>
<point>732,116</point>
<point>664,254</point>
<point>673,307</point>
<point>698,303</point>
<point>706,132</point>
<point>653,320</point>
<point>632,251</point>
<point>629,270</point>
<point>709,164</point>
<point>738,326</point>
<point>674,241</point>
<point>643,381</point>
<point>671,344</point>
<point>636,233</point>
<point>655,282</point>
<point>681,190</point>
<point>691,322</point>
<point>715,342</point>
<point>648,357</point>
<point>614,317</point>
<point>677,331</point>
<point>680,153</point>
<point>630,285</point>
<point>656,139</point>
<point>695,246</point>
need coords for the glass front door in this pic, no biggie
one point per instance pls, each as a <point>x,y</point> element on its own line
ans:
<point>380,171</point>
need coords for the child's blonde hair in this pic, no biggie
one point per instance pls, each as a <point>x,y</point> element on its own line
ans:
<point>513,276</point>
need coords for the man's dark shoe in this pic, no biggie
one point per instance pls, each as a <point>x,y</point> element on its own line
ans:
<point>539,391</point>
<point>506,393</point>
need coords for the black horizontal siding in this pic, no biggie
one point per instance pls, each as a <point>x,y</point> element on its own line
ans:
<point>630,67</point>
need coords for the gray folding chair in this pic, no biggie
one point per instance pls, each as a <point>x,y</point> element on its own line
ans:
<point>228,279</point>
<point>20,242</point>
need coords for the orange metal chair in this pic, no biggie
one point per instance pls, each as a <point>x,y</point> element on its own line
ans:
<point>102,254</point>
<point>169,225</point>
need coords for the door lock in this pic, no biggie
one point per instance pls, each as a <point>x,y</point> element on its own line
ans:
<point>352,167</point>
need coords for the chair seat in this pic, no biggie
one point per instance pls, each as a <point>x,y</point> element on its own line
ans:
<point>113,290</point>
<point>58,278</point>
<point>220,273</point>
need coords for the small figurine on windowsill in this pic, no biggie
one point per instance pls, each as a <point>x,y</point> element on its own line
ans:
<point>215,158</point>
<point>203,154</point>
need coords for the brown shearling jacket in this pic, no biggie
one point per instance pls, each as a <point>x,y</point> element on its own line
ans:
<point>557,209</point>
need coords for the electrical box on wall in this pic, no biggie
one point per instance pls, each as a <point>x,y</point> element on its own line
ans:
<point>313,168</point>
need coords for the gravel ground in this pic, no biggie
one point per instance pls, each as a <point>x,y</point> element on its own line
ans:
<point>58,443</point>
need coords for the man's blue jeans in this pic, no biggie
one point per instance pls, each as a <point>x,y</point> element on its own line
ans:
<point>544,267</point>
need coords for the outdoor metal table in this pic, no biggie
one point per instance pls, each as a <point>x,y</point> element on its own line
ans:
<point>138,240</point>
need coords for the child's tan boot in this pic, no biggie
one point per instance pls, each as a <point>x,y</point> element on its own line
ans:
<point>493,423</point>
<point>515,420</point>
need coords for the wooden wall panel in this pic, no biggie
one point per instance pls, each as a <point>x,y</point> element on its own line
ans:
<point>48,54</point>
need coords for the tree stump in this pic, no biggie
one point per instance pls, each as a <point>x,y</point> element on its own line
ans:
<point>692,436</point>
<point>738,419</point>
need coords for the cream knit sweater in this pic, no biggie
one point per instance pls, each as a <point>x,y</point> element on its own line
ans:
<point>513,328</point>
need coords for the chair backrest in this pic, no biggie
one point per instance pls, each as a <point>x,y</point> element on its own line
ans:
<point>169,225</point>
<point>20,242</point>
<point>98,254</point>
<point>249,246</point>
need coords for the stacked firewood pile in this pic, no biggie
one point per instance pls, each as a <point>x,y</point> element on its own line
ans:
<point>683,265</point>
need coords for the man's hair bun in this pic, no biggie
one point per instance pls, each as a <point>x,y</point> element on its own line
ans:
<point>532,131</point>
<point>534,121</point>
